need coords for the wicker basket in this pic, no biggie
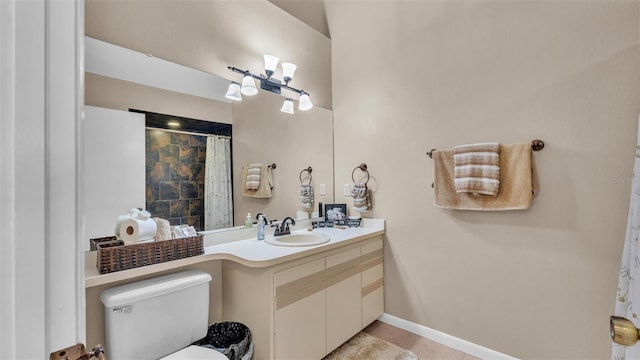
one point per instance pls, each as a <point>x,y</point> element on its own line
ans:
<point>115,256</point>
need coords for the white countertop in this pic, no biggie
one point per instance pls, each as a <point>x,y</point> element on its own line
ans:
<point>249,252</point>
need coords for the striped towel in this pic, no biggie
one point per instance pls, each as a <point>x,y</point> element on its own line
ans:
<point>477,168</point>
<point>252,182</point>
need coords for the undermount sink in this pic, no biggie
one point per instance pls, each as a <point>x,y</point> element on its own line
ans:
<point>298,240</point>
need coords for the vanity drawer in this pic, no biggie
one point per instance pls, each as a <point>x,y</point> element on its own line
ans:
<point>298,277</point>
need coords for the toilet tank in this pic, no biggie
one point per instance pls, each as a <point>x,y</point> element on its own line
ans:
<point>152,318</point>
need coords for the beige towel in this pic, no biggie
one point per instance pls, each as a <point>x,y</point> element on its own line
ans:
<point>266,183</point>
<point>477,169</point>
<point>518,181</point>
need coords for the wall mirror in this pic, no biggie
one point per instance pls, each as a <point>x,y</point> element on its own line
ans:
<point>261,133</point>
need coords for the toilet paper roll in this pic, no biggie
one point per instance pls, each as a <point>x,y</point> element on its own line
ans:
<point>136,230</point>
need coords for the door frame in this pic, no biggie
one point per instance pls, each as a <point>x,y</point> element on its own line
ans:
<point>42,305</point>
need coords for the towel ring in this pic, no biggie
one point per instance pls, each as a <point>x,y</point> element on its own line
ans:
<point>308,170</point>
<point>363,168</point>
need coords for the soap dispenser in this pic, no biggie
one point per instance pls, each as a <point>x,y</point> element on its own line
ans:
<point>261,225</point>
<point>248,222</point>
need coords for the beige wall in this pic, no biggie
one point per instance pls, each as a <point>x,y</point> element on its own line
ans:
<point>123,95</point>
<point>211,35</point>
<point>263,134</point>
<point>411,76</point>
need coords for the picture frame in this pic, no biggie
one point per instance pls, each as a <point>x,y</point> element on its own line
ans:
<point>335,213</point>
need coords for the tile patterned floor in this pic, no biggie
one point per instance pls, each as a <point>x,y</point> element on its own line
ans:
<point>425,349</point>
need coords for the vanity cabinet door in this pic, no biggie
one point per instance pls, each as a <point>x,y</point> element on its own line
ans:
<point>372,282</point>
<point>300,312</point>
<point>300,329</point>
<point>343,297</point>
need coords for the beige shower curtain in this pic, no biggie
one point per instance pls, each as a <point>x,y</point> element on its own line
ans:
<point>218,200</point>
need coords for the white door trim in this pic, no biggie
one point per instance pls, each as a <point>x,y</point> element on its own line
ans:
<point>41,262</point>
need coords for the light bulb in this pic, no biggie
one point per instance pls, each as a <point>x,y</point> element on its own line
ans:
<point>287,106</point>
<point>288,69</point>
<point>248,86</point>
<point>233,92</point>
<point>304,102</point>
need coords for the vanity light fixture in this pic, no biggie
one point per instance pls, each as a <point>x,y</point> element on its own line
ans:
<point>269,83</point>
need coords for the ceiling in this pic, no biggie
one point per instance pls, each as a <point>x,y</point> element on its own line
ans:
<point>310,12</point>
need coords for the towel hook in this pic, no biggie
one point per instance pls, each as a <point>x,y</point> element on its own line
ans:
<point>363,168</point>
<point>308,170</point>
<point>273,166</point>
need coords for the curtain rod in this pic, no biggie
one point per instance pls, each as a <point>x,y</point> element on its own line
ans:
<point>187,132</point>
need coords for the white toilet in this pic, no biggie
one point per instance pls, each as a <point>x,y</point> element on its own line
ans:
<point>159,318</point>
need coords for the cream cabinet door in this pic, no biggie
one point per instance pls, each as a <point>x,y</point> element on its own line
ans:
<point>300,329</point>
<point>372,282</point>
<point>343,296</point>
<point>300,311</point>
<point>343,311</point>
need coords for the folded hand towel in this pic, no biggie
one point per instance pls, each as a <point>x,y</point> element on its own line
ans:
<point>477,168</point>
<point>252,177</point>
<point>518,185</point>
<point>266,183</point>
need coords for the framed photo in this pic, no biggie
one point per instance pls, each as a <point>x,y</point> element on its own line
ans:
<point>336,213</point>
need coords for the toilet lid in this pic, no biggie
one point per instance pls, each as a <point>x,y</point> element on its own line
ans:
<point>194,352</point>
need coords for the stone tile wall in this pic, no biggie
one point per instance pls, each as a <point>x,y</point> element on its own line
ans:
<point>175,176</point>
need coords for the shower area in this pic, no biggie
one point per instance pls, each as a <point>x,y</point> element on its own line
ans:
<point>188,175</point>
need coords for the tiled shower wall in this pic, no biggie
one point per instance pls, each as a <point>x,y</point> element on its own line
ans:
<point>175,176</point>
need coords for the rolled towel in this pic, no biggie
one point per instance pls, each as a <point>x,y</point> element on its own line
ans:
<point>361,197</point>
<point>477,169</point>
<point>164,229</point>
<point>306,196</point>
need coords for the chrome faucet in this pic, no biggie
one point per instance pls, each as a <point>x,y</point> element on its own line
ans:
<point>283,229</point>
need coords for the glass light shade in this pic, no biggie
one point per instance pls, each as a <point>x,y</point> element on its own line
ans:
<point>248,86</point>
<point>288,69</point>
<point>304,102</point>
<point>270,64</point>
<point>233,92</point>
<point>287,107</point>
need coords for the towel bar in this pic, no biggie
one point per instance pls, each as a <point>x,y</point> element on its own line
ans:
<point>536,145</point>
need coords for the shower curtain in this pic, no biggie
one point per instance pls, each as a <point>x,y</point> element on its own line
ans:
<point>218,201</point>
<point>628,293</point>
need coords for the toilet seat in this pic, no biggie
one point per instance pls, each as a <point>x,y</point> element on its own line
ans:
<point>194,352</point>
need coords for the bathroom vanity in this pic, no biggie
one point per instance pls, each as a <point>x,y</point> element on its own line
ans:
<point>298,301</point>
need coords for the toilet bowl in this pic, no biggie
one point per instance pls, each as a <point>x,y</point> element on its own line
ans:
<point>159,318</point>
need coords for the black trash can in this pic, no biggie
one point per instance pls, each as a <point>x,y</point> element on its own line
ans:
<point>233,339</point>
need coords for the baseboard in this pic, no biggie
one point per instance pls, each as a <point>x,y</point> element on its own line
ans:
<point>445,339</point>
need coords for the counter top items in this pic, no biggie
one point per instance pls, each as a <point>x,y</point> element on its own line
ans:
<point>136,226</point>
<point>242,247</point>
<point>116,256</point>
<point>335,213</point>
<point>360,193</point>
